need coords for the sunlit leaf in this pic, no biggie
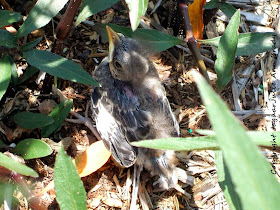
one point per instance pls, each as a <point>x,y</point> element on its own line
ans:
<point>59,114</point>
<point>93,158</point>
<point>5,74</point>
<point>154,40</point>
<point>250,43</point>
<point>225,182</point>
<point>15,166</point>
<point>8,17</point>
<point>40,15</point>
<point>56,65</point>
<point>31,120</point>
<point>30,45</point>
<point>226,52</point>
<point>247,165</point>
<point>7,39</point>
<point>137,8</point>
<point>32,148</point>
<point>91,7</point>
<point>196,17</point>
<point>69,188</point>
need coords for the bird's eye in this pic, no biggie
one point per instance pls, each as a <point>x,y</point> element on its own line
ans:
<point>117,65</point>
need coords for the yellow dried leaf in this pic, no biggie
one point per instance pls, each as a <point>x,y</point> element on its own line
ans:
<point>93,158</point>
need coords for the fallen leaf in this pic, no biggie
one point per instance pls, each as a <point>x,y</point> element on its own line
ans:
<point>196,17</point>
<point>93,158</point>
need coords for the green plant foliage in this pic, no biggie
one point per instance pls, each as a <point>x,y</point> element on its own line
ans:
<point>91,7</point>
<point>15,166</point>
<point>137,8</point>
<point>250,43</point>
<point>30,120</point>
<point>205,142</point>
<point>40,15</point>
<point>247,166</point>
<point>8,17</point>
<point>14,75</point>
<point>226,52</point>
<point>69,189</point>
<point>31,70</point>
<point>58,66</point>
<point>59,114</point>
<point>226,183</point>
<point>32,148</point>
<point>7,39</point>
<point>211,4</point>
<point>30,45</point>
<point>5,74</point>
<point>155,40</point>
<point>179,144</point>
<point>6,192</point>
<point>228,9</point>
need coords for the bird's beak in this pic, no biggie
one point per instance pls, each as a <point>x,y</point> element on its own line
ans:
<point>113,39</point>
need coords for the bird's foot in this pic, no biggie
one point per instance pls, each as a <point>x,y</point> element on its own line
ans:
<point>84,120</point>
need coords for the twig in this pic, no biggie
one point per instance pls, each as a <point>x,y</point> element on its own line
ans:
<point>191,41</point>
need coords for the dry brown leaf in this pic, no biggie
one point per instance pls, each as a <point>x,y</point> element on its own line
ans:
<point>93,158</point>
<point>196,17</point>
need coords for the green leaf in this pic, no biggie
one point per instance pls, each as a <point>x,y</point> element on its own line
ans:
<point>58,66</point>
<point>226,52</point>
<point>14,75</point>
<point>32,148</point>
<point>40,15</point>
<point>137,8</point>
<point>225,182</point>
<point>5,74</point>
<point>2,145</point>
<point>228,9</point>
<point>59,114</point>
<point>247,166</point>
<point>91,7</point>
<point>155,40</point>
<point>260,138</point>
<point>179,144</point>
<point>31,70</point>
<point>30,120</point>
<point>211,4</point>
<point>69,188</point>
<point>30,45</point>
<point>8,17</point>
<point>250,43</point>
<point>7,39</point>
<point>15,166</point>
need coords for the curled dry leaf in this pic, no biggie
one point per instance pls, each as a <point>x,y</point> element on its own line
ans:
<point>93,158</point>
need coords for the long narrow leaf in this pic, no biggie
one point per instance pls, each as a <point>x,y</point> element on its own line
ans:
<point>40,15</point>
<point>69,189</point>
<point>56,65</point>
<point>30,120</point>
<point>226,52</point>
<point>155,40</point>
<point>15,166</point>
<point>250,43</point>
<point>137,8</point>
<point>8,17</point>
<point>91,7</point>
<point>58,114</point>
<point>247,166</point>
<point>5,74</point>
<point>7,39</point>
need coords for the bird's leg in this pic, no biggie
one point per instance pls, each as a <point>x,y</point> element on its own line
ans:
<point>136,180</point>
<point>85,120</point>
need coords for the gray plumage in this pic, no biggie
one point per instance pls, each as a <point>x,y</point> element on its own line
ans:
<point>131,105</point>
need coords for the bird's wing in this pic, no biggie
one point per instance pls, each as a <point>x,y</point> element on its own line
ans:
<point>112,131</point>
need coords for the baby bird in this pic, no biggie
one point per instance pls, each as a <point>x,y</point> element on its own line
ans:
<point>131,105</point>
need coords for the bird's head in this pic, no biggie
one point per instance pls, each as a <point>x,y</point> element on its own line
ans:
<point>127,59</point>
